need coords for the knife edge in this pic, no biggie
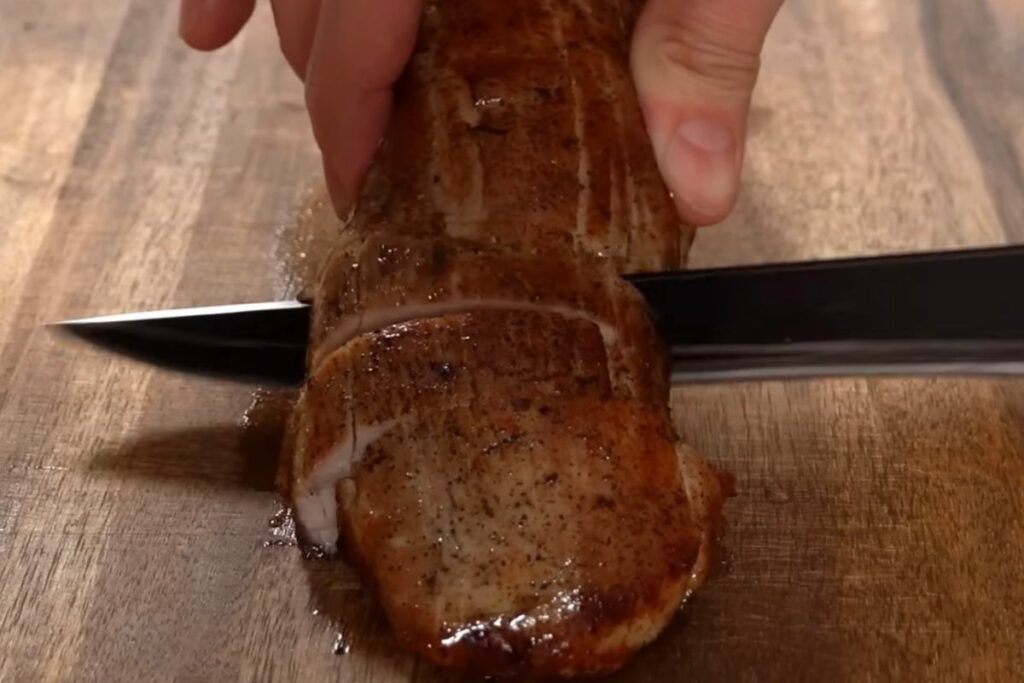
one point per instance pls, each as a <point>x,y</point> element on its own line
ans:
<point>177,313</point>
<point>919,313</point>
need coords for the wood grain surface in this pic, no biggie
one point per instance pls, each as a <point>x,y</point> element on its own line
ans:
<point>878,531</point>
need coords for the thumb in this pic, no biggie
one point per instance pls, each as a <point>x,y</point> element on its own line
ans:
<point>695,63</point>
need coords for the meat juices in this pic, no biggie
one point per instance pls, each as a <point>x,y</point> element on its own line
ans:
<point>485,429</point>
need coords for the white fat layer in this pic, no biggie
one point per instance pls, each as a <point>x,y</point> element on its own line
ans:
<point>344,455</point>
<point>379,318</point>
<point>619,231</point>
<point>317,510</point>
<point>462,207</point>
<point>317,513</point>
<point>700,485</point>
<point>579,128</point>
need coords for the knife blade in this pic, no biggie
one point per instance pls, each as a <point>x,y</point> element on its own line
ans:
<point>933,313</point>
<point>256,342</point>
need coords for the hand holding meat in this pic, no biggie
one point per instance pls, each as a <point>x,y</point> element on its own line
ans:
<point>485,428</point>
<point>694,64</point>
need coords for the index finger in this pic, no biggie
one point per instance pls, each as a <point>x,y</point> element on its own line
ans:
<point>359,51</point>
<point>211,24</point>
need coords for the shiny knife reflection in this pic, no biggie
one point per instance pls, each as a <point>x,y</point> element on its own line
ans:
<point>939,313</point>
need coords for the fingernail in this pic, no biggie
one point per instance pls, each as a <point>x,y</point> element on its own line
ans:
<point>699,164</point>
<point>340,193</point>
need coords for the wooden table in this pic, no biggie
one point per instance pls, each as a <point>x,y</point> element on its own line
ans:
<point>879,526</point>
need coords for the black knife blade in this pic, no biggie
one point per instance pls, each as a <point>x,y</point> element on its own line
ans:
<point>946,312</point>
<point>261,342</point>
<point>952,312</point>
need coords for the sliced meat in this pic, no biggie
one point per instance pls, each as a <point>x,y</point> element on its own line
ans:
<point>549,537</point>
<point>387,279</point>
<point>402,371</point>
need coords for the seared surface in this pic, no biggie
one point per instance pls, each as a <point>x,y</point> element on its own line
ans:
<point>528,536</point>
<point>423,366</point>
<point>517,124</point>
<point>388,279</point>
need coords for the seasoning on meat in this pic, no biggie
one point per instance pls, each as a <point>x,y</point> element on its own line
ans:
<point>485,427</point>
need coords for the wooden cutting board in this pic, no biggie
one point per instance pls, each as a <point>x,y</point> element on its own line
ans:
<point>878,530</point>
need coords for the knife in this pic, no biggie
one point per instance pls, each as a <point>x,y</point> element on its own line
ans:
<point>932,313</point>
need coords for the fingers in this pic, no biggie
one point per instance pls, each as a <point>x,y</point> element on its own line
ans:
<point>359,51</point>
<point>695,63</point>
<point>296,26</point>
<point>349,52</point>
<point>211,24</point>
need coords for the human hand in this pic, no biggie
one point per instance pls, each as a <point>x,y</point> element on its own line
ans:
<point>694,63</point>
<point>349,53</point>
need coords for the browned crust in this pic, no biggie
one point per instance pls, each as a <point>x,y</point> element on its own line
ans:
<point>387,272</point>
<point>622,593</point>
<point>451,360</point>
<point>516,123</point>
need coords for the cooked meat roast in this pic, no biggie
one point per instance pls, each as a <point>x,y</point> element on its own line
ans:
<point>485,428</point>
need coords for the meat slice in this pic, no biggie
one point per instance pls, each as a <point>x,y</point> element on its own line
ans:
<point>387,279</point>
<point>403,371</point>
<point>550,537</point>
